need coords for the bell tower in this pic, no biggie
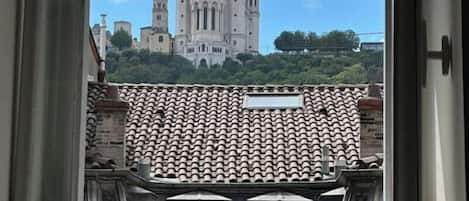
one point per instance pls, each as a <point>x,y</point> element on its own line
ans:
<point>160,16</point>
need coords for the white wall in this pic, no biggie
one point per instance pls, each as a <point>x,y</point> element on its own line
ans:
<point>89,62</point>
<point>443,160</point>
<point>7,39</point>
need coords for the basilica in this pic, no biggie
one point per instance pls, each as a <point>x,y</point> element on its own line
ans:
<point>207,31</point>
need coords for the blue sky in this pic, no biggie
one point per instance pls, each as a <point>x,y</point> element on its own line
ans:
<point>362,16</point>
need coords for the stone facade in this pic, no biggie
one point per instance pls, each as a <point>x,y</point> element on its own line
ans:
<point>123,25</point>
<point>157,38</point>
<point>145,34</point>
<point>210,31</point>
<point>111,114</point>
<point>161,42</point>
<point>371,123</point>
<point>207,31</point>
<point>160,16</point>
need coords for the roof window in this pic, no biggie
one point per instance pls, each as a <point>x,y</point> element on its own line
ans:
<point>273,101</point>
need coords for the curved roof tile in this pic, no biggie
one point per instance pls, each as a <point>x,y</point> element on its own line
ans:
<point>202,134</point>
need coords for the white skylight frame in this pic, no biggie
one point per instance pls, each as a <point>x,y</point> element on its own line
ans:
<point>276,99</point>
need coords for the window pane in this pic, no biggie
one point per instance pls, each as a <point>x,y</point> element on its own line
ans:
<point>274,101</point>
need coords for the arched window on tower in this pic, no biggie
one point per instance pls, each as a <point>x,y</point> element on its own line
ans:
<point>205,18</point>
<point>250,3</point>
<point>198,18</point>
<point>214,14</point>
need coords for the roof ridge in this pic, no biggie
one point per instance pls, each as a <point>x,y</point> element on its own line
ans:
<point>232,85</point>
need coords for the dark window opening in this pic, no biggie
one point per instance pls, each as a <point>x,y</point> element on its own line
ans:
<point>213,18</point>
<point>198,19</point>
<point>205,18</point>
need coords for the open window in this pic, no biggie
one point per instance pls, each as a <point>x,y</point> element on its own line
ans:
<point>196,135</point>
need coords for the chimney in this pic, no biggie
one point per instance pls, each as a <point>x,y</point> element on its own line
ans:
<point>111,115</point>
<point>143,168</point>
<point>371,122</point>
<point>325,161</point>
<point>102,48</point>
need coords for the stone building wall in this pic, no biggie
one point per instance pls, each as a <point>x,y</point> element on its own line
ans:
<point>123,25</point>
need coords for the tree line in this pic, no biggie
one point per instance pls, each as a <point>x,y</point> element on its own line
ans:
<point>338,65</point>
<point>298,41</point>
<point>142,66</point>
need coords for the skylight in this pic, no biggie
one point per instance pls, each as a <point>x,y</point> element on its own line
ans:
<point>273,101</point>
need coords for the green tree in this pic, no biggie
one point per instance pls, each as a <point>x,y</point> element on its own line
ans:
<point>355,74</point>
<point>299,41</point>
<point>132,66</point>
<point>312,41</point>
<point>121,39</point>
<point>340,40</point>
<point>333,41</point>
<point>243,57</point>
<point>353,41</point>
<point>284,41</point>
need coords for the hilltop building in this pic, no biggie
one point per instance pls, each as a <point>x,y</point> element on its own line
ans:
<point>372,46</point>
<point>123,25</point>
<point>207,32</point>
<point>156,38</point>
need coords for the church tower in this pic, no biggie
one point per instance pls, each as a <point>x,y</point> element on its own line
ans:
<point>209,31</point>
<point>253,26</point>
<point>157,38</point>
<point>183,25</point>
<point>160,16</point>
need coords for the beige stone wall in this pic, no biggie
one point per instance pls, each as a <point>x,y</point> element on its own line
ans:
<point>123,25</point>
<point>145,34</point>
<point>371,133</point>
<point>160,16</point>
<point>371,126</point>
<point>160,42</point>
<point>110,135</point>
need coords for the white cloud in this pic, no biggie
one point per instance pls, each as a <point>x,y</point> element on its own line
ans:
<point>312,4</point>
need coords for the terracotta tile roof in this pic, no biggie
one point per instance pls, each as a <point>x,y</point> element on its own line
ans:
<point>371,162</point>
<point>202,134</point>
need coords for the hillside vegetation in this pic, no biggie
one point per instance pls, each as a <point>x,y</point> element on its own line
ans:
<point>132,66</point>
<point>306,58</point>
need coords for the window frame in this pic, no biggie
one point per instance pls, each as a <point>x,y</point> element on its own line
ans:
<point>247,95</point>
<point>400,88</point>
<point>401,112</point>
<point>465,32</point>
<point>7,61</point>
